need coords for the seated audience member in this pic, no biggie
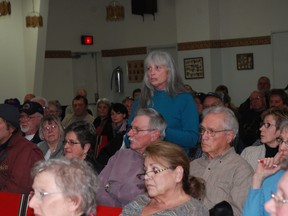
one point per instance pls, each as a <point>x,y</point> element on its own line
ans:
<point>17,154</point>
<point>269,132</point>
<point>14,102</point>
<point>79,142</point>
<point>212,99</point>
<point>80,113</point>
<point>227,175</point>
<point>80,92</point>
<point>128,103</point>
<point>249,122</point>
<point>119,114</point>
<point>43,102</point>
<point>199,99</point>
<point>118,182</point>
<point>70,184</point>
<point>167,182</point>
<point>28,97</point>
<point>266,177</point>
<point>55,108</point>
<point>263,86</point>
<point>31,114</point>
<point>103,124</point>
<point>278,98</point>
<point>136,93</point>
<point>52,134</point>
<point>277,205</point>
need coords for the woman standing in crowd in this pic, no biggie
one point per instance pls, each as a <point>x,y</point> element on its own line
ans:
<point>118,114</point>
<point>64,187</point>
<point>269,131</point>
<point>168,184</point>
<point>165,92</point>
<point>79,142</point>
<point>52,134</point>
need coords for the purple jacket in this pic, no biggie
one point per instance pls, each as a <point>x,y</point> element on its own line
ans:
<point>121,175</point>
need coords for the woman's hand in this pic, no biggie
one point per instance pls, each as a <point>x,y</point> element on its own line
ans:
<point>265,168</point>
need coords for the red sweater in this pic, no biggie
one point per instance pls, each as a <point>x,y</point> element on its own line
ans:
<point>16,161</point>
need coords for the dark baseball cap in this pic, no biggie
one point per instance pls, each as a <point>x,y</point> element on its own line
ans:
<point>216,95</point>
<point>10,114</point>
<point>30,108</point>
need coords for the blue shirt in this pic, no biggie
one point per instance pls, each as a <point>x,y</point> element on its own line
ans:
<point>254,204</point>
<point>180,114</point>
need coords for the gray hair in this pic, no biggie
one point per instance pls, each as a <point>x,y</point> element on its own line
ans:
<point>229,122</point>
<point>38,99</point>
<point>284,126</point>
<point>156,120</point>
<point>58,106</point>
<point>51,118</point>
<point>74,178</point>
<point>103,100</point>
<point>174,83</point>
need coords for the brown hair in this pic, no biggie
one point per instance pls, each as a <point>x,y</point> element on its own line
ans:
<point>278,114</point>
<point>175,156</point>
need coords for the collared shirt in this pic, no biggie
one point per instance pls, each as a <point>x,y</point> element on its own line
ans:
<point>228,177</point>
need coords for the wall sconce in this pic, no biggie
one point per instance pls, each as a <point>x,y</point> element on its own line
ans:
<point>115,11</point>
<point>34,19</point>
<point>5,8</point>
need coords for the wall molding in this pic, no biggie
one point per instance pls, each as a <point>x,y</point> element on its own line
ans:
<point>238,42</point>
<point>209,44</point>
<point>124,52</point>
<point>58,54</point>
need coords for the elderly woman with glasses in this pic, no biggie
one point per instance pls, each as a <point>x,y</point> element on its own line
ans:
<point>269,131</point>
<point>168,184</point>
<point>64,187</point>
<point>52,134</point>
<point>266,178</point>
<point>79,142</point>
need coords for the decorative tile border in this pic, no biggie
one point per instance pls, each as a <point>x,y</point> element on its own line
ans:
<point>209,44</point>
<point>58,54</point>
<point>224,43</point>
<point>124,52</point>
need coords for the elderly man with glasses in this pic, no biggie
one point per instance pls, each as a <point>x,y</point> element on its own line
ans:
<point>118,181</point>
<point>227,174</point>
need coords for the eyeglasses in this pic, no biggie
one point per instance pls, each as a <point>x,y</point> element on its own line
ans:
<point>48,128</point>
<point>70,142</point>
<point>279,140</point>
<point>278,200</point>
<point>152,173</point>
<point>210,132</point>
<point>40,195</point>
<point>256,98</point>
<point>266,125</point>
<point>136,130</point>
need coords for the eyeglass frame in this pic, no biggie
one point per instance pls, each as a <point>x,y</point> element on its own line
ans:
<point>136,130</point>
<point>48,128</point>
<point>210,132</point>
<point>71,143</point>
<point>141,176</point>
<point>266,125</point>
<point>40,195</point>
<point>280,141</point>
<point>278,200</point>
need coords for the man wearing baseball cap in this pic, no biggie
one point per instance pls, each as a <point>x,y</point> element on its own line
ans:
<point>31,114</point>
<point>17,154</point>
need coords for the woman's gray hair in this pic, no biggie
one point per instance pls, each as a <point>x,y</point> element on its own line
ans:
<point>284,126</point>
<point>103,100</point>
<point>229,121</point>
<point>156,120</point>
<point>50,119</point>
<point>174,83</point>
<point>58,106</point>
<point>74,178</point>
